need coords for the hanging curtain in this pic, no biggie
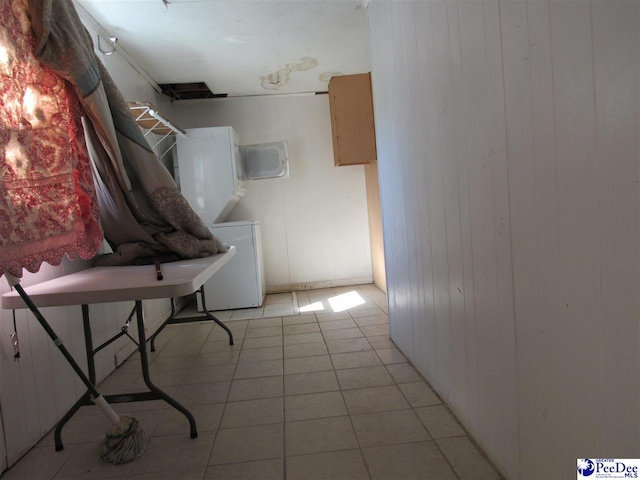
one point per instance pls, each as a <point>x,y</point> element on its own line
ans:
<point>142,211</point>
<point>48,205</point>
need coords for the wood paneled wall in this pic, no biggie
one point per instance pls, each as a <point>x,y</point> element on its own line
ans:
<point>507,136</point>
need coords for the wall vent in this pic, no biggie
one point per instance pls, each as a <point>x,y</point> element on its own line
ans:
<point>265,160</point>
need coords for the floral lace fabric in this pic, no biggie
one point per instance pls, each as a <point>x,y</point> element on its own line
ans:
<point>48,204</point>
<point>142,211</point>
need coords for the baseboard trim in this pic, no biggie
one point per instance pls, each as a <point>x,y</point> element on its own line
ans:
<point>345,282</point>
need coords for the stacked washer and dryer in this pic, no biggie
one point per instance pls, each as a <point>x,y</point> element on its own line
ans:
<point>212,168</point>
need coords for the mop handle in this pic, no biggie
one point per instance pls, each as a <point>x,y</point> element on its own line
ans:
<point>14,282</point>
<point>106,409</point>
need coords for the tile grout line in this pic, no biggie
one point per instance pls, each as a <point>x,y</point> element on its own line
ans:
<point>364,460</point>
<point>335,371</point>
<point>411,407</point>
<point>396,384</point>
<point>226,401</point>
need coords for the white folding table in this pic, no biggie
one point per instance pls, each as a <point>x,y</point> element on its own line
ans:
<point>120,284</point>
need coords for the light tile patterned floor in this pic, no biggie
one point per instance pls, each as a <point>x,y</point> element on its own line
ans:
<point>319,393</point>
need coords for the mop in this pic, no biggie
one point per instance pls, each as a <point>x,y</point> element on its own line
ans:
<point>125,440</point>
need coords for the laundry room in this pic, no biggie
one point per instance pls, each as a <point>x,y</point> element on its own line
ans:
<point>490,333</point>
<point>313,220</point>
<point>310,227</point>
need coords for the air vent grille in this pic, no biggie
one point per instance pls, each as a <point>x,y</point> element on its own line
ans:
<point>265,160</point>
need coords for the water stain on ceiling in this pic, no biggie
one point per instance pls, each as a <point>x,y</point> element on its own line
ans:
<point>325,77</point>
<point>280,78</point>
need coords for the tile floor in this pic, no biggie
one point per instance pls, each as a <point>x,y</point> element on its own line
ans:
<point>312,389</point>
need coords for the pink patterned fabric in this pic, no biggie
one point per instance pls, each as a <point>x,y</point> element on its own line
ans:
<point>142,211</point>
<point>48,204</point>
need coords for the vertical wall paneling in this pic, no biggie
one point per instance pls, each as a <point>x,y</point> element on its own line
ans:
<point>413,330</point>
<point>540,329</point>
<point>3,448</point>
<point>23,418</point>
<point>466,332</point>
<point>441,65</point>
<point>508,392</point>
<point>456,364</point>
<point>63,381</point>
<point>427,158</point>
<point>571,44</point>
<point>485,147</point>
<point>19,415</point>
<point>40,352</point>
<point>418,307</point>
<point>394,175</point>
<point>382,57</point>
<point>529,147</point>
<point>412,174</point>
<point>509,175</point>
<point>417,169</point>
<point>613,28</point>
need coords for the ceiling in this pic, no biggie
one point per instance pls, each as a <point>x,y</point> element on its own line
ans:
<point>240,47</point>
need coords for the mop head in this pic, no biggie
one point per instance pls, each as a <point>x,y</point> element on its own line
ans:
<point>124,442</point>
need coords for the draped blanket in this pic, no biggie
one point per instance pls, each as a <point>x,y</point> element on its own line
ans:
<point>48,206</point>
<point>142,211</point>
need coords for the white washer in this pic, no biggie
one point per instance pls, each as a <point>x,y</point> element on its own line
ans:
<point>240,282</point>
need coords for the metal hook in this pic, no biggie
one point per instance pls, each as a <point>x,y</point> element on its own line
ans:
<point>113,41</point>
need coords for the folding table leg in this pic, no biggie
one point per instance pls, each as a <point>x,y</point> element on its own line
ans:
<point>172,320</point>
<point>164,324</point>
<point>211,317</point>
<point>145,373</point>
<point>57,434</point>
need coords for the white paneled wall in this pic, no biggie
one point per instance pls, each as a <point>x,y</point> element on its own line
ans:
<point>508,156</point>
<point>314,223</point>
<point>37,390</point>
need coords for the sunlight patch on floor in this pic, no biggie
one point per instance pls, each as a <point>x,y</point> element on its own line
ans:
<point>313,307</point>
<point>343,302</point>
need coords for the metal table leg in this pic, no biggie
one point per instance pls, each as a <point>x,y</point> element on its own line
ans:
<point>206,316</point>
<point>145,373</point>
<point>154,394</point>
<point>211,317</point>
<point>164,324</point>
